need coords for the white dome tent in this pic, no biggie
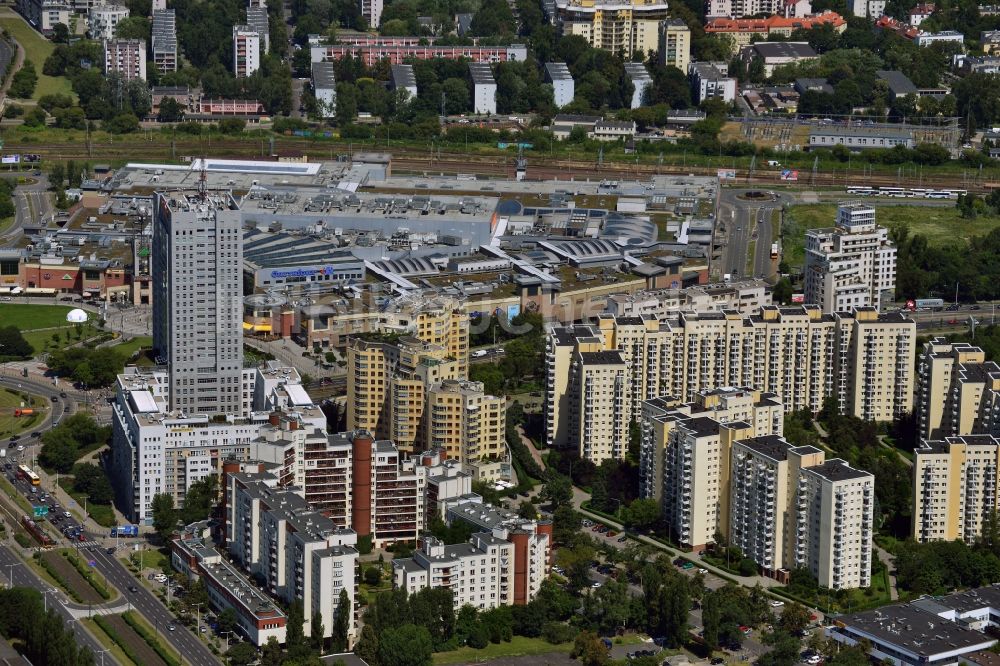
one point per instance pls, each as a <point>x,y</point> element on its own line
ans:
<point>77,316</point>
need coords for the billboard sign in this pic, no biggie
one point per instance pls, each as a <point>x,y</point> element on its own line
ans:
<point>789,174</point>
<point>727,174</point>
<point>10,159</point>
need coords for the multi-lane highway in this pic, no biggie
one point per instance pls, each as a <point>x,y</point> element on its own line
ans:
<point>740,221</point>
<point>181,638</point>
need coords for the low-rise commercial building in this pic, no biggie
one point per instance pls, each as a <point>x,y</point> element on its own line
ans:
<point>776,54</point>
<point>258,618</point>
<point>860,138</point>
<point>743,30</point>
<point>935,631</point>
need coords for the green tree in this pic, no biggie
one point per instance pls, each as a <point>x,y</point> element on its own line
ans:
<point>13,346</point>
<point>164,515</point>
<point>241,654</point>
<point>783,291</point>
<point>642,514</point>
<point>407,645</point>
<point>170,111</point>
<point>342,623</point>
<point>227,620</point>
<point>367,646</point>
<point>270,654</point>
<point>199,500</point>
<point>316,631</point>
<point>590,650</point>
<point>559,490</point>
<point>23,84</point>
<point>794,618</point>
<point>295,639</point>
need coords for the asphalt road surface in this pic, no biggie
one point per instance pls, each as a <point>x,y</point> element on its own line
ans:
<point>739,222</point>
<point>25,577</point>
<point>182,639</point>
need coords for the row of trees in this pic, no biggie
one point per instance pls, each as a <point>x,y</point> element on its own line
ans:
<point>923,269</point>
<point>43,635</point>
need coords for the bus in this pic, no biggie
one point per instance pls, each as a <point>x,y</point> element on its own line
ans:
<point>861,190</point>
<point>26,473</point>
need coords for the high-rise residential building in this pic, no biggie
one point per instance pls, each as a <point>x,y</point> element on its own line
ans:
<point>762,412</point>
<point>297,553</point>
<point>504,565</point>
<point>563,89</point>
<point>386,385</point>
<point>958,391</point>
<point>834,525</point>
<point>258,21</point>
<point>802,355</point>
<point>711,80</point>
<point>484,88</point>
<point>696,478</point>
<point>614,25</point>
<point>675,44</point>
<point>464,421</point>
<point>764,500</point>
<point>197,289</point>
<point>164,40</point>
<point>371,10</point>
<point>103,20</point>
<point>851,265</point>
<point>246,50</point>
<point>126,57</point>
<point>954,487</point>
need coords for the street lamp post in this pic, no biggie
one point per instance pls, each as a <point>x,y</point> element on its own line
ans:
<point>10,572</point>
<point>197,622</point>
<point>101,652</point>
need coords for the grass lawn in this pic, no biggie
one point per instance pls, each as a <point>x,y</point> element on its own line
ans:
<point>519,646</point>
<point>15,425</point>
<point>941,225</point>
<point>36,49</point>
<point>151,559</point>
<point>42,341</point>
<point>133,345</point>
<point>103,514</point>
<point>28,316</point>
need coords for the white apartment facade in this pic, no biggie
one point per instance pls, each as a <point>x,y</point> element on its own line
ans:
<point>126,57</point>
<point>103,20</point>
<point>851,265</point>
<point>274,535</point>
<point>484,88</point>
<point>563,89</point>
<point>711,80</point>
<point>246,50</point>
<point>44,15</point>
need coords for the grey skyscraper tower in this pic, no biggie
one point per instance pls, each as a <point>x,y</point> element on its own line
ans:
<point>197,300</point>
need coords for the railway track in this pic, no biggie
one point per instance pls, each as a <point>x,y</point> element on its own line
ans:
<point>413,161</point>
